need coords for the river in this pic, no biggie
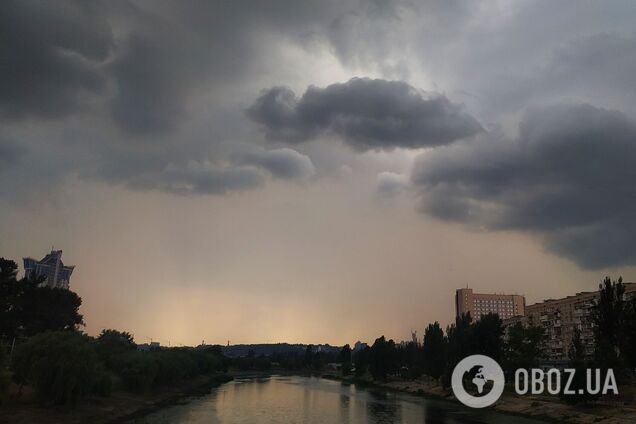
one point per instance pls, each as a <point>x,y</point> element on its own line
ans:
<point>279,399</point>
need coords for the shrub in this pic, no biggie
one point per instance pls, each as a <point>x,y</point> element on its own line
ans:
<point>4,378</point>
<point>103,384</point>
<point>137,370</point>
<point>61,366</point>
<point>140,371</point>
<point>111,343</point>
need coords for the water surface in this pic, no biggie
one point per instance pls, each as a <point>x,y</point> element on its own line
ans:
<point>307,400</point>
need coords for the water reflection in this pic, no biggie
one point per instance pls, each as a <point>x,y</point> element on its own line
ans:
<point>383,408</point>
<point>315,400</point>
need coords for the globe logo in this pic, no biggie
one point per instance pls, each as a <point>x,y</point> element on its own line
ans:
<point>483,375</point>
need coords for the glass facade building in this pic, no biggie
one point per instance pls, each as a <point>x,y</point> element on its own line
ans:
<point>56,274</point>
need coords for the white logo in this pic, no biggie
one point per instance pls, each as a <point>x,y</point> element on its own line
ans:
<point>481,370</point>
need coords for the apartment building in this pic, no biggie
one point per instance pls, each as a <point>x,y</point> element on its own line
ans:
<point>479,304</point>
<point>559,318</point>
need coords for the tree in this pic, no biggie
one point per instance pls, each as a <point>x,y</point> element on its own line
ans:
<point>382,358</point>
<point>45,308</point>
<point>345,359</point>
<point>309,355</point>
<point>486,337</point>
<point>410,357</point>
<point>522,348</point>
<point>459,344</point>
<point>9,294</point>
<point>4,377</point>
<point>361,358</point>
<point>28,308</point>
<point>609,319</point>
<point>576,355</point>
<point>61,366</point>
<point>111,343</point>
<point>628,347</point>
<point>434,350</point>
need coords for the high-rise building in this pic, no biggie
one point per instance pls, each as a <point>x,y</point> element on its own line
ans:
<point>56,274</point>
<point>479,304</point>
<point>559,318</point>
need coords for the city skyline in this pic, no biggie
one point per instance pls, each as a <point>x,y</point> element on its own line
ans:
<point>511,308</point>
<point>316,172</point>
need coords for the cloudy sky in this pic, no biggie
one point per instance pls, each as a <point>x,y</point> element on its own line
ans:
<point>317,171</point>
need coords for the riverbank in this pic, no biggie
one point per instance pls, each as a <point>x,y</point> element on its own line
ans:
<point>512,404</point>
<point>122,407</point>
<point>118,408</point>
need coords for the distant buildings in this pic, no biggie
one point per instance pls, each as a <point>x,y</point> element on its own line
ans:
<point>559,318</point>
<point>358,346</point>
<point>479,304</point>
<point>145,347</point>
<point>56,274</point>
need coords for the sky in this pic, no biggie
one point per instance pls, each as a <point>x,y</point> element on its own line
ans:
<point>316,171</point>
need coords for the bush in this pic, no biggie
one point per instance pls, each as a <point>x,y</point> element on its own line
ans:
<point>61,366</point>
<point>140,371</point>
<point>103,384</point>
<point>137,370</point>
<point>4,377</point>
<point>111,343</point>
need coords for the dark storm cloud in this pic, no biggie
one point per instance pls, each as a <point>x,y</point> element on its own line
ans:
<point>150,172</point>
<point>143,63</point>
<point>203,179</point>
<point>597,67</point>
<point>366,113</point>
<point>284,163</point>
<point>569,177</point>
<point>49,57</point>
<point>10,153</point>
<point>158,67</point>
<point>132,71</point>
<point>242,170</point>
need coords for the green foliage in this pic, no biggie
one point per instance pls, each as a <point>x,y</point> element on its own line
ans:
<point>45,309</point>
<point>65,366</point>
<point>361,359</point>
<point>103,382</point>
<point>309,355</point>
<point>411,360</point>
<point>345,354</point>
<point>9,295</point>
<point>252,363</point>
<point>61,366</point>
<point>4,377</point>
<point>111,343</point>
<point>382,359</point>
<point>576,355</point>
<point>292,361</point>
<point>523,347</point>
<point>434,350</point>
<point>28,308</point>
<point>459,345</point>
<point>344,358</point>
<point>137,370</point>
<point>609,319</point>
<point>486,337</point>
<point>141,371</point>
<point>629,335</point>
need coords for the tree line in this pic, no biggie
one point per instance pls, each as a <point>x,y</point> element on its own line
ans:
<point>63,365</point>
<point>514,347</point>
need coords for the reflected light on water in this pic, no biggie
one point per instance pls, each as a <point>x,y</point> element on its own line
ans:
<point>280,399</point>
